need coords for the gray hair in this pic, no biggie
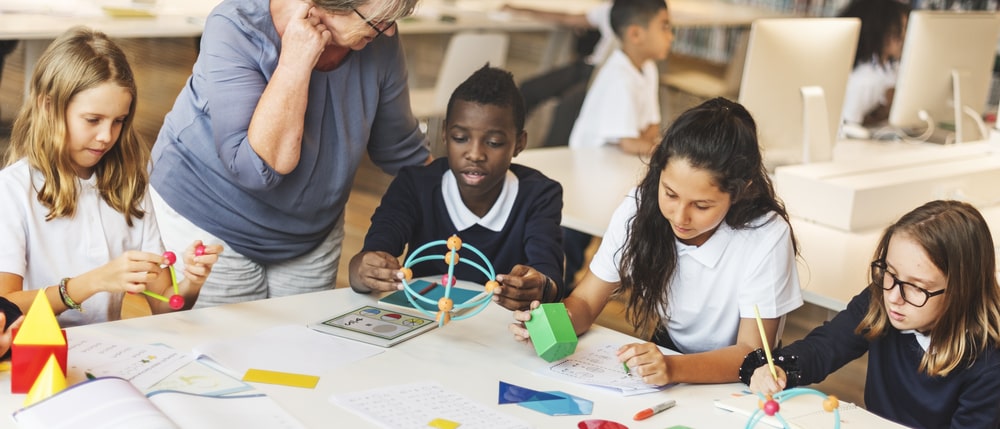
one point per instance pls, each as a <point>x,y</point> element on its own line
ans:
<point>388,10</point>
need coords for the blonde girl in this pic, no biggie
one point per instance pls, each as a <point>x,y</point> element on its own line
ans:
<point>77,224</point>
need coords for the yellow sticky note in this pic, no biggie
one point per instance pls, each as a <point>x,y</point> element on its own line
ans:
<point>443,424</point>
<point>282,378</point>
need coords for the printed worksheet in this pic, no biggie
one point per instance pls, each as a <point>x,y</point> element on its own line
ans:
<point>417,405</point>
<point>599,367</point>
<point>141,364</point>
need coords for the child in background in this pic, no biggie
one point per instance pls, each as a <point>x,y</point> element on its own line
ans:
<point>871,83</point>
<point>509,212</point>
<point>78,224</point>
<point>622,106</point>
<point>929,321</point>
<point>568,83</point>
<point>700,242</point>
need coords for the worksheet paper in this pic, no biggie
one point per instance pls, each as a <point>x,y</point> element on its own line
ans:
<point>413,406</point>
<point>141,364</point>
<point>599,366</point>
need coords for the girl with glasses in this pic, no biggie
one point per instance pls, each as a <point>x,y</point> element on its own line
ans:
<point>929,320</point>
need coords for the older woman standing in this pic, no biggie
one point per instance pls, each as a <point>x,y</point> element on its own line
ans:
<point>261,146</point>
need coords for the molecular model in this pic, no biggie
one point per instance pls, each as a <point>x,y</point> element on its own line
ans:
<point>176,301</point>
<point>446,307</point>
<point>771,405</point>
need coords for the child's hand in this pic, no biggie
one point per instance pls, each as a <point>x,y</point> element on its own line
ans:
<point>517,328</point>
<point>763,382</point>
<point>519,288</point>
<point>197,267</point>
<point>131,272</point>
<point>377,271</point>
<point>6,338</point>
<point>645,361</point>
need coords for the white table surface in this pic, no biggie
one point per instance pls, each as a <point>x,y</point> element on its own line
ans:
<point>468,356</point>
<point>594,180</point>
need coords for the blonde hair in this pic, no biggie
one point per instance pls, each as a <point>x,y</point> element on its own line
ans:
<point>957,240</point>
<point>80,59</point>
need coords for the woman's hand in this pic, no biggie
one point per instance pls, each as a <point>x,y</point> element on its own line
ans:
<point>304,39</point>
<point>517,328</point>
<point>645,361</point>
<point>763,382</point>
<point>375,271</point>
<point>519,288</point>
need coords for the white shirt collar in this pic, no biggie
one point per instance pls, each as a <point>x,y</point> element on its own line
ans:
<point>463,218</point>
<point>709,253</point>
<point>923,340</point>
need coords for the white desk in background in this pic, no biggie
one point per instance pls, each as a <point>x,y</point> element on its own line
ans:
<point>594,181</point>
<point>832,263</point>
<point>467,356</point>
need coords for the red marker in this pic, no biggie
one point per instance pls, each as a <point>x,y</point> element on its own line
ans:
<point>656,409</point>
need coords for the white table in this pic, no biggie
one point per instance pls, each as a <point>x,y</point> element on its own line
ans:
<point>468,356</point>
<point>594,180</point>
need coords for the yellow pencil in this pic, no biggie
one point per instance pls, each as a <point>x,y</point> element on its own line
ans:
<point>763,338</point>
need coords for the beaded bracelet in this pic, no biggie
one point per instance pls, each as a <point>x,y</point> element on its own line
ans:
<point>64,294</point>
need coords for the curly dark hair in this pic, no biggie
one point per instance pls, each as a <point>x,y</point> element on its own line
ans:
<point>718,136</point>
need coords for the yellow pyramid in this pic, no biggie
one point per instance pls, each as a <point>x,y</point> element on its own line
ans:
<point>49,382</point>
<point>40,325</point>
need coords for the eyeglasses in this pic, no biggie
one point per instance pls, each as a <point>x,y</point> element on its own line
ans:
<point>911,293</point>
<point>379,27</point>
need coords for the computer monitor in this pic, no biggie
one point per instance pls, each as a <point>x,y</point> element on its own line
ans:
<point>947,57</point>
<point>793,84</point>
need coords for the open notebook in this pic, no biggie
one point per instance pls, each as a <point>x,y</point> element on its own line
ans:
<point>806,412</point>
<point>112,402</point>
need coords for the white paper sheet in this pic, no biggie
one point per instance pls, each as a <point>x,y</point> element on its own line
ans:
<point>141,364</point>
<point>413,406</point>
<point>286,348</point>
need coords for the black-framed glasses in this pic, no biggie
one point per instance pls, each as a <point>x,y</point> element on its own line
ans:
<point>379,27</point>
<point>911,293</point>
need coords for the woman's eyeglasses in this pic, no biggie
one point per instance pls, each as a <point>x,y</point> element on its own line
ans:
<point>379,26</point>
<point>911,293</point>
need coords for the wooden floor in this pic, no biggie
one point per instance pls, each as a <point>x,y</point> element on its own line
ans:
<point>163,65</point>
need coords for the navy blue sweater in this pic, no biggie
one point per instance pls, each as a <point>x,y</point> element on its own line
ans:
<point>412,213</point>
<point>969,397</point>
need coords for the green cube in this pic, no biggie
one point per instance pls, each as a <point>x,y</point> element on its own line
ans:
<point>551,331</point>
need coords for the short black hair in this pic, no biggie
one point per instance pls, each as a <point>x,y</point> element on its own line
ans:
<point>633,12</point>
<point>493,86</point>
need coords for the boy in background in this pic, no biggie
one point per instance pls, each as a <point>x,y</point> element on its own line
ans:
<point>622,105</point>
<point>509,212</point>
<point>568,83</point>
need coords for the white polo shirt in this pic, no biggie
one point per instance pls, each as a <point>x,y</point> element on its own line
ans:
<point>718,283</point>
<point>866,89</point>
<point>620,103</point>
<point>43,252</point>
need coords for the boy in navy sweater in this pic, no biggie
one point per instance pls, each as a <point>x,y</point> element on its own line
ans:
<point>509,212</point>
